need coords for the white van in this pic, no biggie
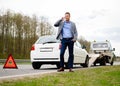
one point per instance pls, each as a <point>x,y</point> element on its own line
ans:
<point>103,51</point>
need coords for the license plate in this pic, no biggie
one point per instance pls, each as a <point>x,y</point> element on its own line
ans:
<point>46,49</point>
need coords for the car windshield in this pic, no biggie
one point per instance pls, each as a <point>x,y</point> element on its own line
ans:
<point>47,39</point>
<point>100,45</point>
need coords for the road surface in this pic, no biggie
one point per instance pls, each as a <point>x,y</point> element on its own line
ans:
<point>27,70</point>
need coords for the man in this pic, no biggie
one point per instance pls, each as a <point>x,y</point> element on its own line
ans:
<point>67,33</point>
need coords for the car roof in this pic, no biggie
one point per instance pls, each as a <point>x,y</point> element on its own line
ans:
<point>100,42</point>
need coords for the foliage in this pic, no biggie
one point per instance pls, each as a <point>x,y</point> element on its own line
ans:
<point>84,42</point>
<point>18,32</point>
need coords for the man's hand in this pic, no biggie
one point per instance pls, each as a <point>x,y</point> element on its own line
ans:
<point>73,40</point>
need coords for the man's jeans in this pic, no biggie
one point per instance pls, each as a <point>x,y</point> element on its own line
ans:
<point>67,42</point>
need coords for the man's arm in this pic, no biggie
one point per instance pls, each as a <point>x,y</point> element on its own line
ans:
<point>58,23</point>
<point>75,33</point>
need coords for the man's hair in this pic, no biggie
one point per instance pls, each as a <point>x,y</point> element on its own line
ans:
<point>67,13</point>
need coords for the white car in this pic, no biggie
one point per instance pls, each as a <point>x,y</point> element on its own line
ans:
<point>46,50</point>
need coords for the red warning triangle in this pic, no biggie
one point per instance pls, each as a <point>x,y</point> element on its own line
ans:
<point>10,63</point>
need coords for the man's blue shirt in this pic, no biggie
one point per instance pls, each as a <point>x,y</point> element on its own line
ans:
<point>67,30</point>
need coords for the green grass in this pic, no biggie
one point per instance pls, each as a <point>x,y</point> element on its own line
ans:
<point>101,76</point>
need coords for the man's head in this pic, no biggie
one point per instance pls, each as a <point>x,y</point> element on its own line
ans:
<point>67,16</point>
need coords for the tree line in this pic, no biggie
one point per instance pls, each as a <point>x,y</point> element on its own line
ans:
<point>84,43</point>
<point>18,32</point>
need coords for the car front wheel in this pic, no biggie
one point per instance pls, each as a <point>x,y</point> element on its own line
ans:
<point>86,62</point>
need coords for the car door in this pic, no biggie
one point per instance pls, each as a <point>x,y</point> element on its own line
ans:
<point>79,53</point>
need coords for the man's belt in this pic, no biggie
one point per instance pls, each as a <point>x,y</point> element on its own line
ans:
<point>68,38</point>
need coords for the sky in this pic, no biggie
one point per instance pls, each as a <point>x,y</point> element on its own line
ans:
<point>95,19</point>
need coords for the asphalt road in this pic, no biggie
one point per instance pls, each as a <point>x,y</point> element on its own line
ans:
<point>27,70</point>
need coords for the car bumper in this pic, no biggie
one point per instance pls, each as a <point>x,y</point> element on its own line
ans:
<point>40,57</point>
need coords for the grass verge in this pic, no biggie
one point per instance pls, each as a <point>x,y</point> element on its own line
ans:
<point>101,76</point>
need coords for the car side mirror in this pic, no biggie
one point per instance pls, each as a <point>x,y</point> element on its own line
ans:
<point>113,49</point>
<point>83,47</point>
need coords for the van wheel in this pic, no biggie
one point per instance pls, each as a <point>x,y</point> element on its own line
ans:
<point>36,65</point>
<point>103,62</point>
<point>94,64</point>
<point>86,62</point>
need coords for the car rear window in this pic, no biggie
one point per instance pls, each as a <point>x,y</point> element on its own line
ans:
<point>47,39</point>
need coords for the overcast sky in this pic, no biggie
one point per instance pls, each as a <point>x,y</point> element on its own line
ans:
<point>95,19</point>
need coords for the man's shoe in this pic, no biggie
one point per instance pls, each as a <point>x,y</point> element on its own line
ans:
<point>70,70</point>
<point>61,69</point>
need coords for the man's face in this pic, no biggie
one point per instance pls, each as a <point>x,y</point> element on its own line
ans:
<point>67,17</point>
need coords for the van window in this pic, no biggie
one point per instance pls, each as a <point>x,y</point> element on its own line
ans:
<point>100,45</point>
